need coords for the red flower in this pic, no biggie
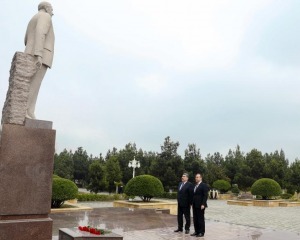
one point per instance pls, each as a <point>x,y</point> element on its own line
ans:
<point>85,229</point>
<point>91,230</point>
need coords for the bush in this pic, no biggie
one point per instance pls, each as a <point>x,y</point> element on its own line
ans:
<point>62,190</point>
<point>286,196</point>
<point>291,189</point>
<point>222,185</point>
<point>98,197</point>
<point>55,176</point>
<point>144,186</point>
<point>235,189</point>
<point>266,187</point>
<point>168,195</point>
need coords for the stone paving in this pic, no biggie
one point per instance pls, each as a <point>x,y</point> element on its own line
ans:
<point>277,218</point>
<point>223,222</point>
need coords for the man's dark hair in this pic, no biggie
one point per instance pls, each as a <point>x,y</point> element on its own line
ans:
<point>199,174</point>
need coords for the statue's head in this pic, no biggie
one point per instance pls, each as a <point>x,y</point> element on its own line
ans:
<point>47,7</point>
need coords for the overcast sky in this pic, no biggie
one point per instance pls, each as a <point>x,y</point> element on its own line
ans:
<point>214,73</point>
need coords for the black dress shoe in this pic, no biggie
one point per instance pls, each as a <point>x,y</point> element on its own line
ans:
<point>177,230</point>
<point>200,235</point>
<point>194,234</point>
<point>187,231</point>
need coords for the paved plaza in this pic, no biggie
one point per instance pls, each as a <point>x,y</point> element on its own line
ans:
<point>223,222</point>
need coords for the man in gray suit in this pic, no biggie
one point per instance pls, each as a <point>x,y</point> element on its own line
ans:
<point>184,199</point>
<point>39,42</point>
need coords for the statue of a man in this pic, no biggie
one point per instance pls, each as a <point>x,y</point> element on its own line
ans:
<point>39,41</point>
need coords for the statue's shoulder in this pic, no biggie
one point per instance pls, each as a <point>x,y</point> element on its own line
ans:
<point>44,15</point>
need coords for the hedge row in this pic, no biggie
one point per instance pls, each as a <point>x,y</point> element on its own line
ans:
<point>286,196</point>
<point>168,195</point>
<point>105,197</point>
<point>98,197</point>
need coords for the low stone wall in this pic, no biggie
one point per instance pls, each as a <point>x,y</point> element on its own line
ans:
<point>172,206</point>
<point>263,203</point>
<point>266,203</point>
<point>240,202</point>
<point>289,204</point>
<point>226,196</point>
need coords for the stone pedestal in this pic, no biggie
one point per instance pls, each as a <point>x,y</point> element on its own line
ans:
<point>26,167</point>
<point>26,229</point>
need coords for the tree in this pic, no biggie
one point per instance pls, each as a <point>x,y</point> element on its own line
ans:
<point>276,167</point>
<point>242,180</point>
<point>146,158</point>
<point>256,164</point>
<point>192,161</point>
<point>113,152</point>
<point>237,170</point>
<point>232,162</point>
<point>168,165</point>
<point>294,177</point>
<point>81,166</point>
<point>97,177</point>
<point>124,156</point>
<point>113,172</point>
<point>63,165</point>
<point>215,168</point>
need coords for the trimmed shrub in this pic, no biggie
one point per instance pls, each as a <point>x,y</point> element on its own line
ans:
<point>235,189</point>
<point>144,186</point>
<point>286,196</point>
<point>55,176</point>
<point>98,197</point>
<point>62,190</point>
<point>266,188</point>
<point>222,185</point>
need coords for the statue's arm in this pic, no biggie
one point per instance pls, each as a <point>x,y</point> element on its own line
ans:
<point>42,27</point>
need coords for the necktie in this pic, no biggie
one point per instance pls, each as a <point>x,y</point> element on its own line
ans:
<point>196,187</point>
<point>181,186</point>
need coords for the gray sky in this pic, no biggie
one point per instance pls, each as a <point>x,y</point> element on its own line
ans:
<point>214,73</point>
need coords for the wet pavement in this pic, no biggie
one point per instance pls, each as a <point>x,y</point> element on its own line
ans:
<point>223,222</point>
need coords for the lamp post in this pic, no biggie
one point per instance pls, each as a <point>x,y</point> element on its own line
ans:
<point>134,164</point>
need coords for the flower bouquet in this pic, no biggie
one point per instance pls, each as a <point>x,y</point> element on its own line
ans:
<point>91,230</point>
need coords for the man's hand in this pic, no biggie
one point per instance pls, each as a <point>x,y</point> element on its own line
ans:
<point>39,62</point>
<point>202,207</point>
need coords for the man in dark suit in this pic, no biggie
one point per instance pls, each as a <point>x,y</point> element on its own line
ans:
<point>184,199</point>
<point>199,204</point>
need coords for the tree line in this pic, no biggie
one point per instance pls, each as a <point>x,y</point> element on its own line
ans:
<point>243,169</point>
